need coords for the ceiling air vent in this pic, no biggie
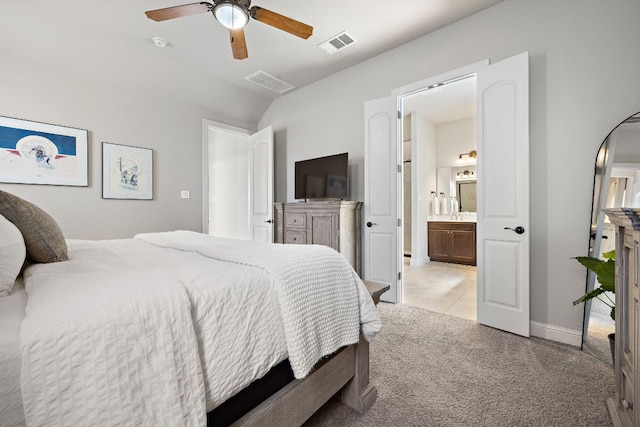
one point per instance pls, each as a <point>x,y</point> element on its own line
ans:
<point>270,82</point>
<point>337,43</point>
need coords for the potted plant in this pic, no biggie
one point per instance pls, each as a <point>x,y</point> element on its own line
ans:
<point>605,272</point>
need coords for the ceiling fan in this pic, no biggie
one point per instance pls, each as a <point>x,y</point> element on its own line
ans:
<point>234,14</point>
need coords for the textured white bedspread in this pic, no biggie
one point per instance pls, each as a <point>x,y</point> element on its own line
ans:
<point>11,316</point>
<point>320,296</point>
<point>109,340</point>
<point>156,330</point>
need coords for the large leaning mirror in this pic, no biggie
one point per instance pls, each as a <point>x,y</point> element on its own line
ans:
<point>616,184</point>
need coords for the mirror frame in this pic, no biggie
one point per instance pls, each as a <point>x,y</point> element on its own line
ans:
<point>600,175</point>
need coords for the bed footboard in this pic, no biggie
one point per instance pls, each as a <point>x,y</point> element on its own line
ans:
<point>359,394</point>
<point>346,373</point>
<point>298,400</point>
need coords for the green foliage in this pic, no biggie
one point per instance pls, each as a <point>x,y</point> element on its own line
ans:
<point>605,272</point>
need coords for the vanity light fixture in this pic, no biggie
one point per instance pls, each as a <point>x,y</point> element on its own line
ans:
<point>466,175</point>
<point>468,158</point>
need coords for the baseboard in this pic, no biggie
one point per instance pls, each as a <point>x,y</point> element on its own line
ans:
<point>556,333</point>
<point>417,262</point>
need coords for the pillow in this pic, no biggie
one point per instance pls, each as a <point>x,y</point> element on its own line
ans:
<point>12,255</point>
<point>42,234</point>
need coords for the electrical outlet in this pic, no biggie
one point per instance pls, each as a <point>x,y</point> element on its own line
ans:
<point>185,194</point>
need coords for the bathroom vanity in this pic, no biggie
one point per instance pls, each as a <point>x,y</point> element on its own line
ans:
<point>452,241</point>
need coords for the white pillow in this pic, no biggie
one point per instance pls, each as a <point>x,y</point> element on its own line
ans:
<point>12,255</point>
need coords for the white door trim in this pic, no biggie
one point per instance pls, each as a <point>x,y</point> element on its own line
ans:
<point>443,77</point>
<point>453,76</point>
<point>411,89</point>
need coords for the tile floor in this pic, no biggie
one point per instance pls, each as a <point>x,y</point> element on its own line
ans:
<point>441,287</point>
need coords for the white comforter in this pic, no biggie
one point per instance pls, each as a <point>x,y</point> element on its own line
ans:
<point>159,329</point>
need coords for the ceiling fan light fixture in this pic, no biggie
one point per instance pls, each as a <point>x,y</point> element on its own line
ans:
<point>231,15</point>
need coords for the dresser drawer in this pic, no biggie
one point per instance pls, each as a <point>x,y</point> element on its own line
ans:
<point>295,220</point>
<point>295,237</point>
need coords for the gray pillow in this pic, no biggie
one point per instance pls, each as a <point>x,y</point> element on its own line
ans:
<point>42,234</point>
<point>12,255</point>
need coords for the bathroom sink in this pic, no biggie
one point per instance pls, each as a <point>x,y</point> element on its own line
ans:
<point>467,217</point>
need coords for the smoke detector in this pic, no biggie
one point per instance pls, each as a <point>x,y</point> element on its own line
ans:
<point>159,41</point>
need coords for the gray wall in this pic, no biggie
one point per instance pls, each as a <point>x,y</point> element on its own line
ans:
<point>35,91</point>
<point>584,80</point>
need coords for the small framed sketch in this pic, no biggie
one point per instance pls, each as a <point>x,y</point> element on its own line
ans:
<point>127,172</point>
<point>40,153</point>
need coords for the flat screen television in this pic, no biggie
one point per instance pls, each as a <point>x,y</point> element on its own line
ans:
<point>322,177</point>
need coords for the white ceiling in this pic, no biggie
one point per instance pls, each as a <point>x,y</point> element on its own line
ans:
<point>113,39</point>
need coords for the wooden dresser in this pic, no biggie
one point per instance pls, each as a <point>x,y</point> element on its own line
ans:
<point>627,377</point>
<point>332,223</point>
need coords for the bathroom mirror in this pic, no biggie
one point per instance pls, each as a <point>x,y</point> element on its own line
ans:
<point>466,191</point>
<point>459,181</point>
<point>616,183</point>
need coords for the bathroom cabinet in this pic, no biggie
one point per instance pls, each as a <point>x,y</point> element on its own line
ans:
<point>452,241</point>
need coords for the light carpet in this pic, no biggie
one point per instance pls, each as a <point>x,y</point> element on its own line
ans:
<point>432,369</point>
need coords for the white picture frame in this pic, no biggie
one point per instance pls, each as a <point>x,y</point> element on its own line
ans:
<point>41,153</point>
<point>127,172</point>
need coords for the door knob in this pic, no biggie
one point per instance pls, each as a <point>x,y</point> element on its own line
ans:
<point>593,236</point>
<point>269,221</point>
<point>371,224</point>
<point>519,229</point>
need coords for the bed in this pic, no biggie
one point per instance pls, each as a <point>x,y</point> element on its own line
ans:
<point>165,328</point>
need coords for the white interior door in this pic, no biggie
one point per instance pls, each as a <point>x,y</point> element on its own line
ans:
<point>382,251</point>
<point>503,195</point>
<point>261,185</point>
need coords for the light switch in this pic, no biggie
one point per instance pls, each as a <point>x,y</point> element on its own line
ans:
<point>185,194</point>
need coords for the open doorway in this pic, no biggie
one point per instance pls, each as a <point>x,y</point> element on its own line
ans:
<point>237,182</point>
<point>502,194</point>
<point>439,153</point>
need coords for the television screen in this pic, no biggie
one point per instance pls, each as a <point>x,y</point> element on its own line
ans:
<point>322,177</point>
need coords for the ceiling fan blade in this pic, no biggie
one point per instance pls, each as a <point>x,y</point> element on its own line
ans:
<point>281,22</point>
<point>238,44</point>
<point>178,11</point>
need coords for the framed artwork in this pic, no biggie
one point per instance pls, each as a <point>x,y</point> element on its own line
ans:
<point>127,172</point>
<point>40,153</point>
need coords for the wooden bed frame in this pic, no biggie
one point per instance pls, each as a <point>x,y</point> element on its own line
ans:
<point>346,372</point>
